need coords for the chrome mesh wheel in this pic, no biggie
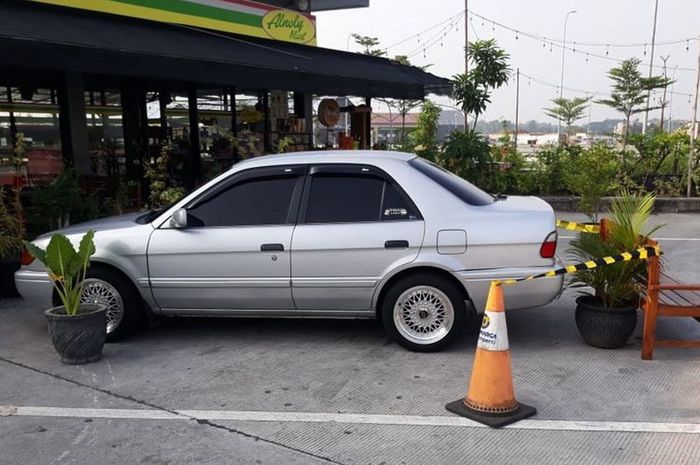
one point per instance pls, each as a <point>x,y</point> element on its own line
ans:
<point>97,291</point>
<point>423,314</point>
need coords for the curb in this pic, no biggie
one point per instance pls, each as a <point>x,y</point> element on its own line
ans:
<point>661,204</point>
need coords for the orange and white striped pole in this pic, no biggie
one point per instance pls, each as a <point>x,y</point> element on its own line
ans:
<point>491,397</point>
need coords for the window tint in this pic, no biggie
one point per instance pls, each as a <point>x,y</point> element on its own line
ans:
<point>255,202</point>
<point>344,198</point>
<point>463,189</point>
<point>396,206</point>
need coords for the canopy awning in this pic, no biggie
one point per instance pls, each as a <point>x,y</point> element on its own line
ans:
<point>35,36</point>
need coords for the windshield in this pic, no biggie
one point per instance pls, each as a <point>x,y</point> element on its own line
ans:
<point>462,188</point>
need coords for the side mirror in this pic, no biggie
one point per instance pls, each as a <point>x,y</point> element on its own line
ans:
<point>179,219</point>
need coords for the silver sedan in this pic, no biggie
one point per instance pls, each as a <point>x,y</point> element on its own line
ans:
<point>337,234</point>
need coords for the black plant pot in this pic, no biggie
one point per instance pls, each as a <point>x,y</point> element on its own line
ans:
<point>8,266</point>
<point>78,339</point>
<point>604,327</point>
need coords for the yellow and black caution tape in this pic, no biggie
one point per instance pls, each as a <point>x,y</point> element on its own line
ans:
<point>641,253</point>
<point>571,226</point>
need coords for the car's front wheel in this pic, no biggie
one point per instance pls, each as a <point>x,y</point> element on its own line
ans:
<point>423,312</point>
<point>111,289</point>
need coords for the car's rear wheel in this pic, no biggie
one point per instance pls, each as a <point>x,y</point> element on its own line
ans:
<point>124,306</point>
<point>423,312</point>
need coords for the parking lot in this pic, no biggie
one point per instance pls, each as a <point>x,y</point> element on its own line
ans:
<point>334,391</point>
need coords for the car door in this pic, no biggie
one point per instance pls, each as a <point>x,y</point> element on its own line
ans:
<point>356,224</point>
<point>235,251</point>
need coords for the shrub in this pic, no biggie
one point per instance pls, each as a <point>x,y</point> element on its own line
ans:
<point>550,168</point>
<point>467,155</point>
<point>592,174</point>
<point>424,137</point>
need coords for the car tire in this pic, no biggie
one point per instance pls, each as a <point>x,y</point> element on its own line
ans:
<point>124,304</point>
<point>423,312</point>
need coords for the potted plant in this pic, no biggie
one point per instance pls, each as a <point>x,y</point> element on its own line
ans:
<point>12,222</point>
<point>606,313</point>
<point>78,330</point>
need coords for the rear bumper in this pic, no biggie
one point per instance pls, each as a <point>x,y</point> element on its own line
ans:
<point>35,287</point>
<point>521,295</point>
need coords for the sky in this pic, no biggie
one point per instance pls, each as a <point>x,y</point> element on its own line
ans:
<point>614,22</point>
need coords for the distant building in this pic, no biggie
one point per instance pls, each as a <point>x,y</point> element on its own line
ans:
<point>386,127</point>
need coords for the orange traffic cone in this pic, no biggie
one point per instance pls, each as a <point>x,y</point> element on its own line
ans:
<point>491,397</point>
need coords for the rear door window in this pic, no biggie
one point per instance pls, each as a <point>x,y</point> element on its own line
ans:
<point>349,197</point>
<point>344,198</point>
<point>395,205</point>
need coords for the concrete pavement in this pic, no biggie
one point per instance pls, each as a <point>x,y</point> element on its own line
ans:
<point>307,391</point>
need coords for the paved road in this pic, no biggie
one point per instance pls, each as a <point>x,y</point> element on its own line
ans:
<point>306,392</point>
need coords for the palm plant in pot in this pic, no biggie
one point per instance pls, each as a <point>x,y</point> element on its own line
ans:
<point>77,330</point>
<point>606,312</point>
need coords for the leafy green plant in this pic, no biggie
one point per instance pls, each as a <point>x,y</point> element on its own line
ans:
<point>592,175</point>
<point>509,173</point>
<point>630,91</point>
<point>249,144</point>
<point>369,44</point>
<point>11,231</point>
<point>161,192</point>
<point>489,70</point>
<point>467,155</point>
<point>54,204</point>
<point>284,144</point>
<point>568,110</point>
<point>657,154</point>
<point>66,266</point>
<point>614,286</point>
<point>425,135</point>
<point>550,166</point>
<point>12,216</point>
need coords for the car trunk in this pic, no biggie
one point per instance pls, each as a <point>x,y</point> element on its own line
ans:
<point>509,233</point>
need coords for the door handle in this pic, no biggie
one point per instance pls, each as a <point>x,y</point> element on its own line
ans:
<point>396,245</point>
<point>272,248</point>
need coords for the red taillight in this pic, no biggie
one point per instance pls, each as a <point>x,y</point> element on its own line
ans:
<point>26,258</point>
<point>549,246</point>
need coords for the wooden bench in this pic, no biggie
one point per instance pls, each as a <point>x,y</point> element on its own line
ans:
<point>663,295</point>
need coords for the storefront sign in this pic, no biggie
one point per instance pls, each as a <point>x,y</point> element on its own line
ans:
<point>237,16</point>
<point>289,26</point>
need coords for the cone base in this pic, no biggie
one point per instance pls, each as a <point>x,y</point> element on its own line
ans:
<point>494,420</point>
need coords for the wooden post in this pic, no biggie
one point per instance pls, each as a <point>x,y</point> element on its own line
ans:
<point>650,307</point>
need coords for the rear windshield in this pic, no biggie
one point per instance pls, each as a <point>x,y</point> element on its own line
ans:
<point>463,189</point>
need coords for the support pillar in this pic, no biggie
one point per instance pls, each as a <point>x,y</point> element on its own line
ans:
<point>74,131</point>
<point>368,124</point>
<point>134,126</point>
<point>267,142</point>
<point>306,112</point>
<point>194,175</point>
<point>234,115</point>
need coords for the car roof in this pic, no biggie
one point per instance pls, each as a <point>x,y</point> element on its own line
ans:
<point>326,156</point>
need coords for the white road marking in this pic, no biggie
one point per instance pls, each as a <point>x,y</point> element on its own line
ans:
<point>656,238</point>
<point>348,418</point>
